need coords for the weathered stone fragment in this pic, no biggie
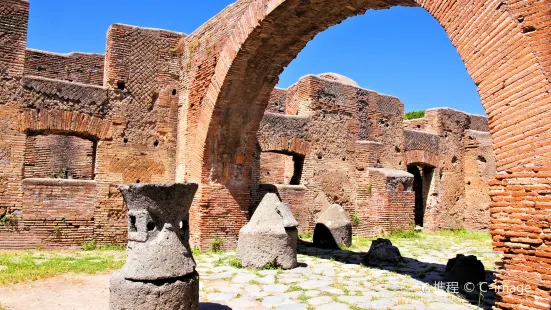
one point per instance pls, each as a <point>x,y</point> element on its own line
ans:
<point>270,237</point>
<point>180,293</point>
<point>463,269</point>
<point>158,246</point>
<point>333,228</point>
<point>382,253</point>
<point>159,272</point>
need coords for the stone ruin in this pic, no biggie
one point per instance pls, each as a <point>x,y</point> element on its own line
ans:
<point>159,272</point>
<point>333,228</point>
<point>163,106</point>
<point>382,253</point>
<point>270,238</point>
<point>325,141</point>
<point>74,126</point>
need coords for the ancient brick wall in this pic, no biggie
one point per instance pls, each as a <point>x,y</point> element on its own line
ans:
<point>58,156</point>
<point>333,114</point>
<point>442,140</point>
<point>54,213</point>
<point>390,203</point>
<point>278,101</point>
<point>74,67</point>
<point>479,169</point>
<point>112,134</point>
<point>384,125</point>
<point>274,168</point>
<point>14,16</point>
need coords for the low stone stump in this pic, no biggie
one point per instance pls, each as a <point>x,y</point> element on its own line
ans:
<point>333,228</point>
<point>159,272</point>
<point>180,293</point>
<point>270,237</point>
<point>465,269</point>
<point>382,253</point>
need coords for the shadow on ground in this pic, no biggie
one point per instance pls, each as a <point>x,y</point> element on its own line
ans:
<point>431,274</point>
<point>212,306</point>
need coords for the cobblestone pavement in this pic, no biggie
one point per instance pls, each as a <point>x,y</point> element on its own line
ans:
<point>334,280</point>
<point>325,280</point>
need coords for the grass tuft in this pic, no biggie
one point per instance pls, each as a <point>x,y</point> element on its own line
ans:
<point>405,234</point>
<point>216,245</point>
<point>270,266</point>
<point>196,251</point>
<point>234,262</point>
<point>306,235</point>
<point>92,246</point>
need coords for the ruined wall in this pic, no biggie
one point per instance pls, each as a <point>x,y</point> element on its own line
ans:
<point>352,133</point>
<point>275,168</point>
<point>54,213</point>
<point>332,114</point>
<point>450,201</point>
<point>328,170</point>
<point>74,67</point>
<point>15,16</point>
<point>58,156</point>
<point>479,168</point>
<point>121,132</point>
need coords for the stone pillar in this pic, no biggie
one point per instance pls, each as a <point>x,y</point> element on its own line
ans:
<point>160,270</point>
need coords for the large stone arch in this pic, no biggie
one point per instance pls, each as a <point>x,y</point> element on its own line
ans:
<point>504,45</point>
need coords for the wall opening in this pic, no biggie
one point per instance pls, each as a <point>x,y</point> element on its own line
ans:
<point>280,168</point>
<point>422,179</point>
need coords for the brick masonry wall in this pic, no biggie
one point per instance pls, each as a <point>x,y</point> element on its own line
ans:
<point>318,101</point>
<point>133,129</point>
<point>504,46</point>
<point>74,67</point>
<point>275,168</point>
<point>479,169</point>
<point>59,156</point>
<point>14,16</point>
<point>441,143</point>
<point>332,115</point>
<point>54,213</point>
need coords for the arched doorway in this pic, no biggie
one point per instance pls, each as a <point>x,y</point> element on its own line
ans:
<point>503,50</point>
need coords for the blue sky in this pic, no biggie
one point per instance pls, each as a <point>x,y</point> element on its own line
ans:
<point>402,52</point>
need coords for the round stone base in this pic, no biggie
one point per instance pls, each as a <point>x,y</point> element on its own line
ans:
<point>172,294</point>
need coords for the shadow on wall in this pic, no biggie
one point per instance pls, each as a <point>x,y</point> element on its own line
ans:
<point>411,267</point>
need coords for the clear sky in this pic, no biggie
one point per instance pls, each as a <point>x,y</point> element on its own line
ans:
<point>402,52</point>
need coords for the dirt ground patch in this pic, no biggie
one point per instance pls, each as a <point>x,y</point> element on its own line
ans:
<point>78,292</point>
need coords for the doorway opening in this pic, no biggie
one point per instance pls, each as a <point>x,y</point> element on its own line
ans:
<point>422,179</point>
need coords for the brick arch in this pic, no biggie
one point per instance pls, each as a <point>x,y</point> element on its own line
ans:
<point>504,46</point>
<point>64,121</point>
<point>422,157</point>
